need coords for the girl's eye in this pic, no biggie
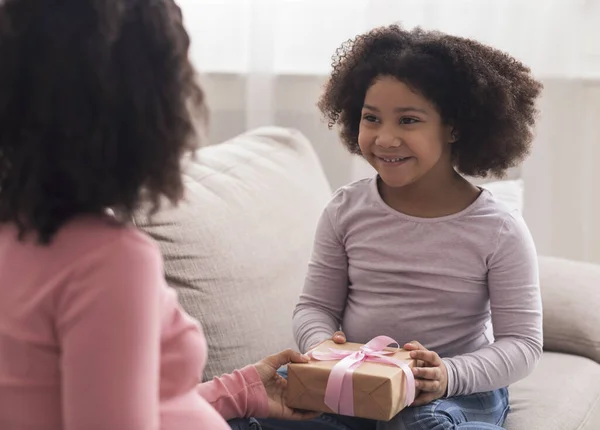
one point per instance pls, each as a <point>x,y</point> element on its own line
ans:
<point>409,121</point>
<point>370,118</point>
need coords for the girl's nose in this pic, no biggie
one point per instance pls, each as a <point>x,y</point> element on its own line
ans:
<point>388,141</point>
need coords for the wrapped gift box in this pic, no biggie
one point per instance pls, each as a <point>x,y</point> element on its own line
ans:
<point>379,390</point>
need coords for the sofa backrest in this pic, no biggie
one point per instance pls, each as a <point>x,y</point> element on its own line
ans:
<point>237,249</point>
<point>571,302</point>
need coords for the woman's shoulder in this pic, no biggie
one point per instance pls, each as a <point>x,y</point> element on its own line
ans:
<point>80,245</point>
<point>87,255</point>
<point>77,237</point>
<point>100,257</point>
<point>89,235</point>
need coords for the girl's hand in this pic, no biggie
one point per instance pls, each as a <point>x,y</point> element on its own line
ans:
<point>431,380</point>
<point>338,337</point>
<point>276,385</point>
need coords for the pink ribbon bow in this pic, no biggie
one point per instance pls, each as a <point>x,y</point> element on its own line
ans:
<point>339,395</point>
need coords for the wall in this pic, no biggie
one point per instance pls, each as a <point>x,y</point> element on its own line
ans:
<point>562,175</point>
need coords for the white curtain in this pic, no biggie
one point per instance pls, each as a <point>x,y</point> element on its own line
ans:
<point>264,61</point>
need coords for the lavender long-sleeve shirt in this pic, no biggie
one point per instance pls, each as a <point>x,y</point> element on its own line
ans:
<point>440,281</point>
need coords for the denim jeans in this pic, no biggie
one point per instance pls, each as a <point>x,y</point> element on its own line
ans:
<point>480,411</point>
<point>244,424</point>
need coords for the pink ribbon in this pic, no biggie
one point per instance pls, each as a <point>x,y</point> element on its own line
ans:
<point>339,394</point>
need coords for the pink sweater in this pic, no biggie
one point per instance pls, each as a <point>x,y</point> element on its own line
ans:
<point>92,338</point>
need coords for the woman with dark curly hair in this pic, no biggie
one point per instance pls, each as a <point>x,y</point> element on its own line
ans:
<point>417,251</point>
<point>97,100</point>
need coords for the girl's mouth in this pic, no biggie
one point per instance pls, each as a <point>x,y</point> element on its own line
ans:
<point>395,160</point>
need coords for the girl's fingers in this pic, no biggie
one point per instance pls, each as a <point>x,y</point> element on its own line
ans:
<point>339,337</point>
<point>426,372</point>
<point>414,345</point>
<point>431,358</point>
<point>423,399</point>
<point>426,385</point>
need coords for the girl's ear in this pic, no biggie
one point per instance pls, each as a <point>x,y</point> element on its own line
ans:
<point>453,135</point>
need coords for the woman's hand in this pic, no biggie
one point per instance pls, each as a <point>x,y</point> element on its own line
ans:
<point>431,380</point>
<point>276,386</point>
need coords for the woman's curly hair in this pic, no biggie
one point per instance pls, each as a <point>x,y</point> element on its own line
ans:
<point>487,96</point>
<point>97,102</point>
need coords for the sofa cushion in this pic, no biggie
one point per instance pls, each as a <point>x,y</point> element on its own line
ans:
<point>237,248</point>
<point>571,302</point>
<point>562,393</point>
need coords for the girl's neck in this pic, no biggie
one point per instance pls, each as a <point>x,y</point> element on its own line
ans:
<point>431,197</point>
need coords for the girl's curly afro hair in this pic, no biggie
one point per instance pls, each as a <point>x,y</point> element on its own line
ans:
<point>96,108</point>
<point>486,95</point>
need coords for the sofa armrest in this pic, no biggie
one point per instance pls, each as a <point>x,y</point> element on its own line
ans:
<point>571,300</point>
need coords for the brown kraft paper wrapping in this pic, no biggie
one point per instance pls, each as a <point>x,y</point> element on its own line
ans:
<point>379,389</point>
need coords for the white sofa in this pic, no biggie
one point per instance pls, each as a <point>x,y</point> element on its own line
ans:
<point>237,250</point>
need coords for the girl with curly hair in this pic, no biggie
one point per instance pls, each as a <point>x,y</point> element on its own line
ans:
<point>97,99</point>
<point>417,252</point>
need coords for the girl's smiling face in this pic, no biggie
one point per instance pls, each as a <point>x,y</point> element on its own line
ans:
<point>402,135</point>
